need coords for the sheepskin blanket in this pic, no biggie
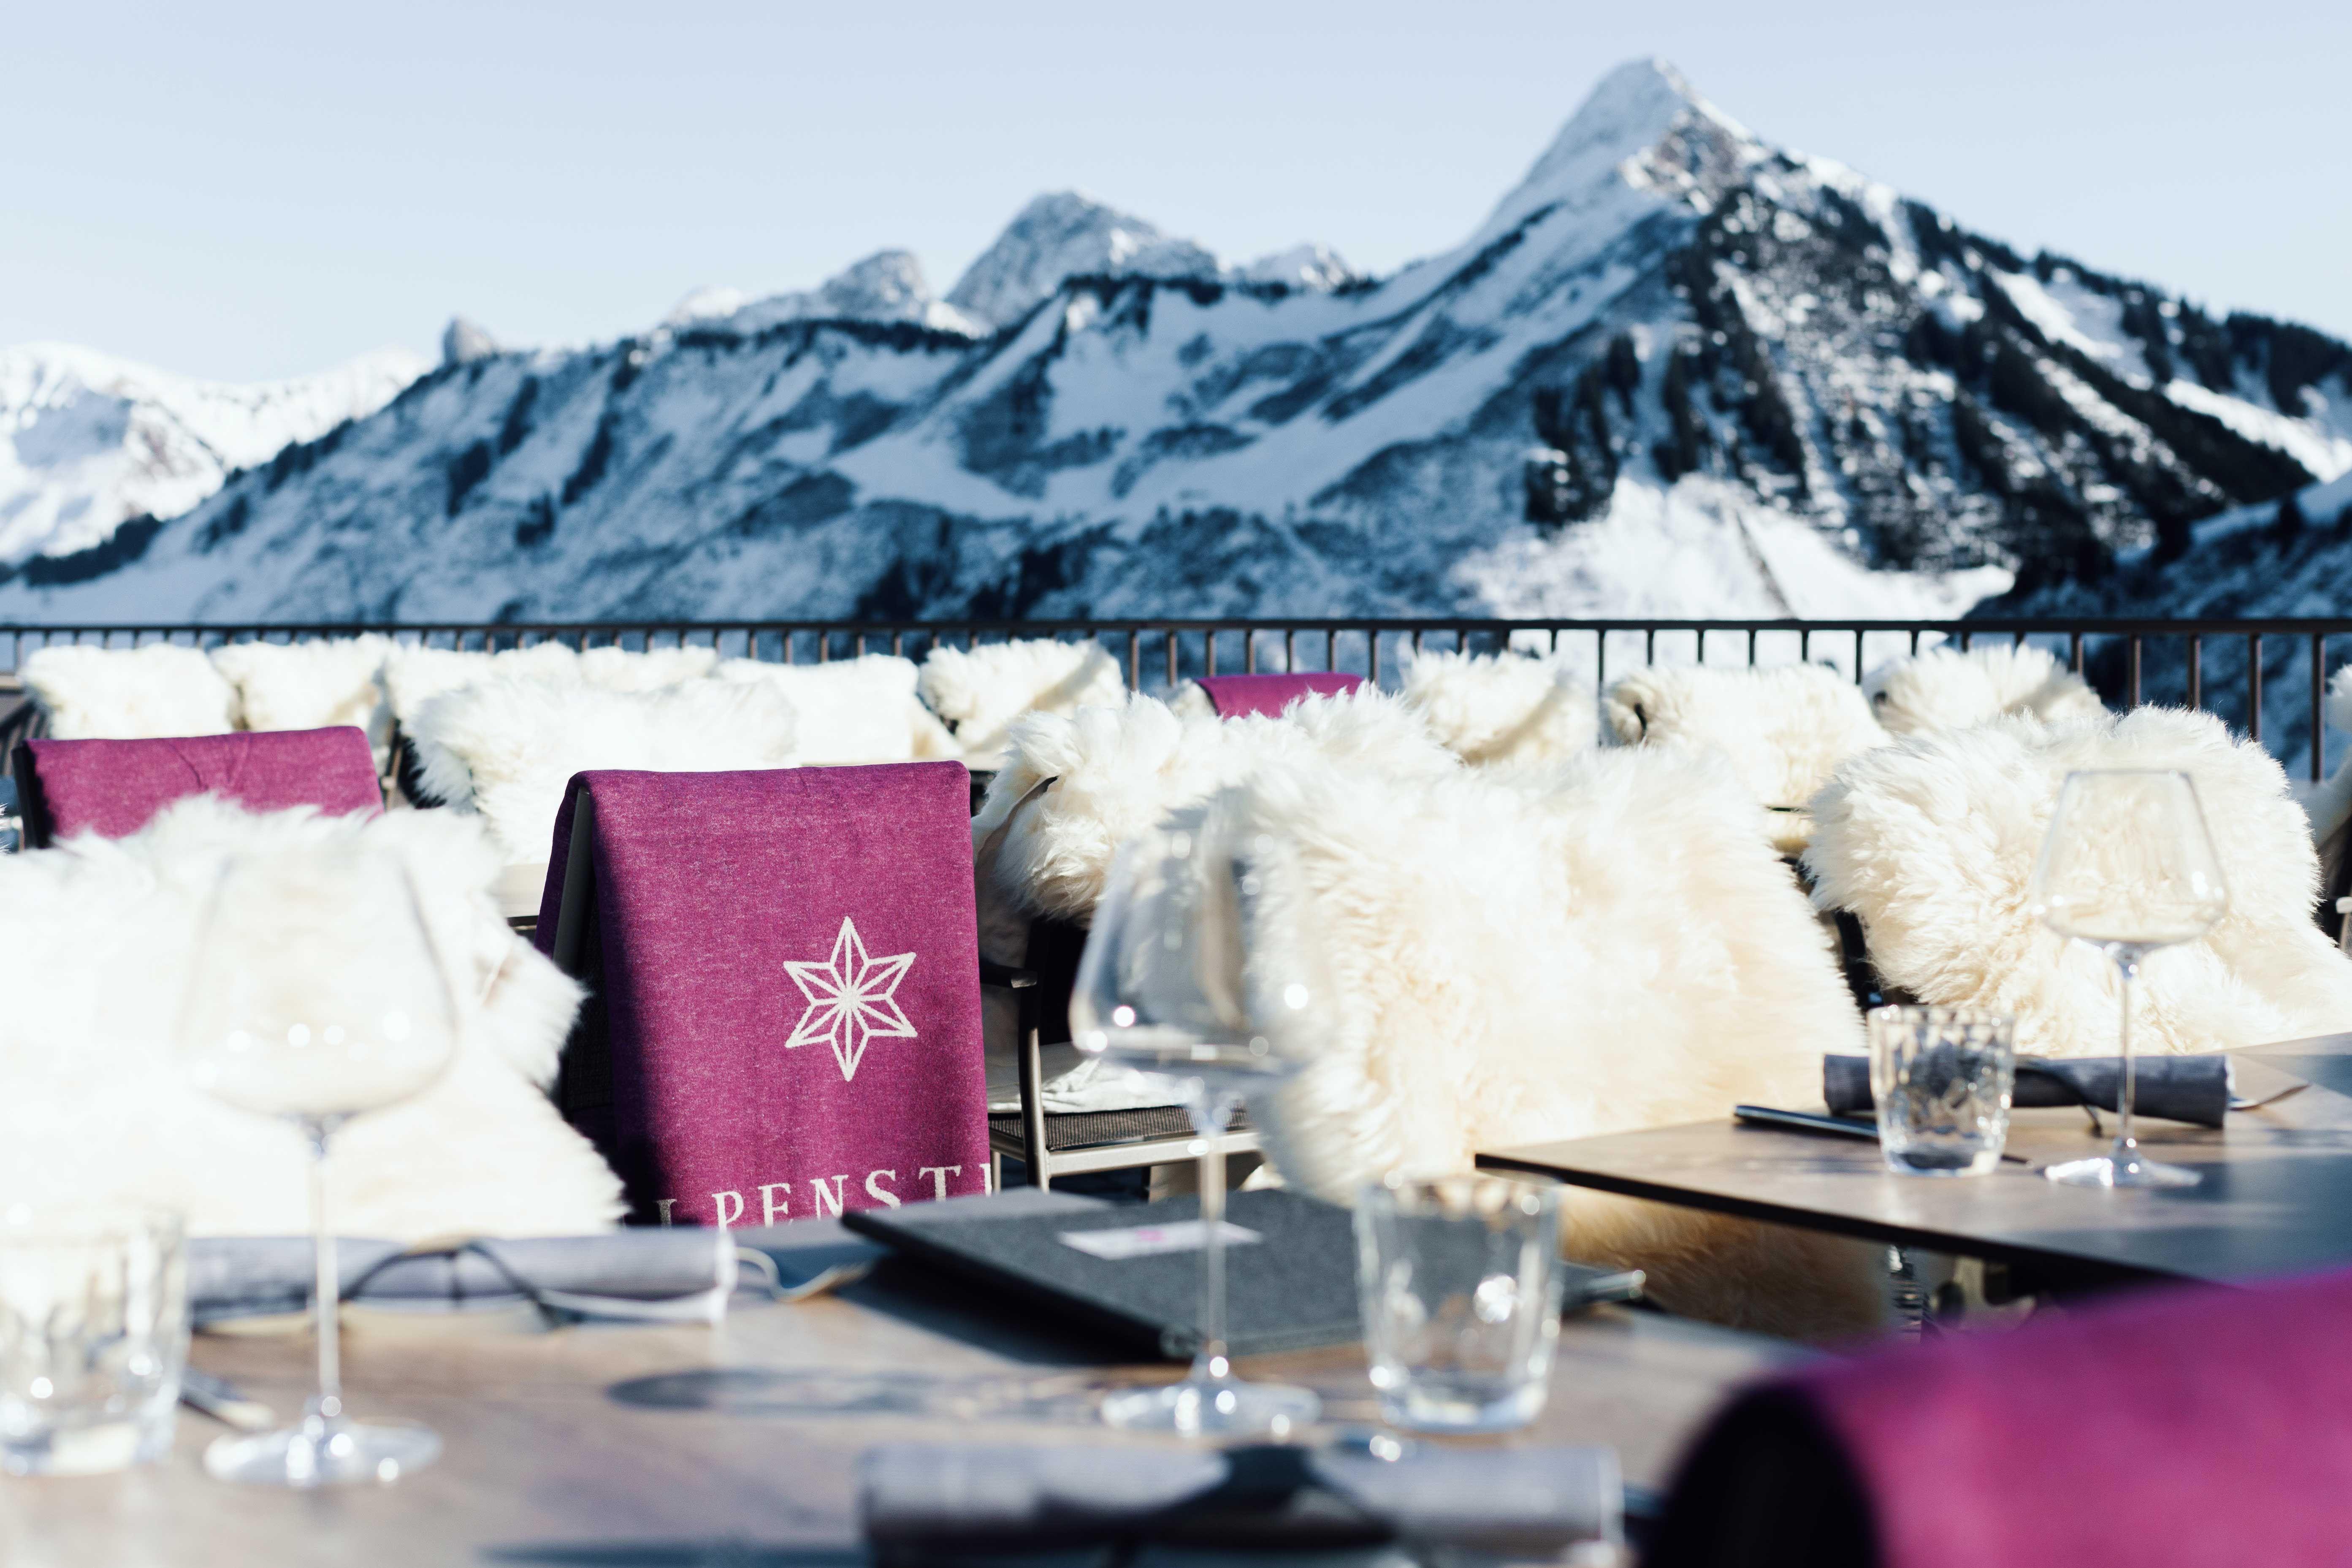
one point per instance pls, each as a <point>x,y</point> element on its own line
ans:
<point>129,693</point>
<point>1783,728</point>
<point>619,670</point>
<point>1932,843</point>
<point>1508,708</point>
<point>1504,958</point>
<point>860,710</point>
<point>313,684</point>
<point>415,675</point>
<point>2328,805</point>
<point>1945,688</point>
<point>506,748</point>
<point>1077,785</point>
<point>980,692</point>
<point>93,1103</point>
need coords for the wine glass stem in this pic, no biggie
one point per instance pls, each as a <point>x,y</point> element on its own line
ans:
<point>2126,1144</point>
<point>326,1291</point>
<point>1210,1119</point>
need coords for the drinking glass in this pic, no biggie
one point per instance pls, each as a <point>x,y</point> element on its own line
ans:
<point>317,995</point>
<point>1461,1282</point>
<point>1168,985</point>
<point>93,1337</point>
<point>1942,1078</point>
<point>2127,868</point>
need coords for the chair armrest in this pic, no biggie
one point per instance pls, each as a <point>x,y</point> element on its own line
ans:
<point>1006,977</point>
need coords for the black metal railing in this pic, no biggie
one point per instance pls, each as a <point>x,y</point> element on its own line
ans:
<point>2266,678</point>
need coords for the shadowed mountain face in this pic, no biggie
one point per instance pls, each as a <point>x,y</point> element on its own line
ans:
<point>1677,371</point>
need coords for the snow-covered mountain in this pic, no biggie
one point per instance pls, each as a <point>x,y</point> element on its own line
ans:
<point>1677,370</point>
<point>89,441</point>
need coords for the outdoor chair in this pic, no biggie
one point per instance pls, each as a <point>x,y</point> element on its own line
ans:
<point>1233,696</point>
<point>1954,688</point>
<point>783,1017</point>
<point>1931,845</point>
<point>979,691</point>
<point>2189,1427</point>
<point>1497,710</point>
<point>1783,729</point>
<point>160,690</point>
<point>112,788</point>
<point>861,709</point>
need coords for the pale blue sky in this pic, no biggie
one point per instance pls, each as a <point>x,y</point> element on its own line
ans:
<point>243,190</point>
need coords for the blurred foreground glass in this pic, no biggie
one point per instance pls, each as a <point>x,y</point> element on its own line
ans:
<point>2127,868</point>
<point>317,995</point>
<point>1171,984</point>
<point>1941,1078</point>
<point>1461,1282</point>
<point>93,1337</point>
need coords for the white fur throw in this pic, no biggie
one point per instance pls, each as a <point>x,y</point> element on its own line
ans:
<point>130,693</point>
<point>980,692</point>
<point>1784,728</point>
<point>1592,946</point>
<point>310,685</point>
<point>2329,804</point>
<point>1945,688</point>
<point>619,670</point>
<point>1117,770</point>
<point>1932,842</point>
<point>860,710</point>
<point>94,1104</point>
<point>415,675</point>
<point>1503,708</point>
<point>506,748</point>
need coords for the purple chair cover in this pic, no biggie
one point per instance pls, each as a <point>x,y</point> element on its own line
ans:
<point>787,1022</point>
<point>1234,695</point>
<point>112,788</point>
<point>2186,1426</point>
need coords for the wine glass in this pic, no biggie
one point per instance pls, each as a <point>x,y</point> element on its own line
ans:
<point>316,995</point>
<point>2127,868</point>
<point>1168,984</point>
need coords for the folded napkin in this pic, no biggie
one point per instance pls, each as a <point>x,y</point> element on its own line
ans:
<point>647,1273</point>
<point>916,1499</point>
<point>2174,1089</point>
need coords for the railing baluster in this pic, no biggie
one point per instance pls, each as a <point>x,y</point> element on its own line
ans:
<point>1599,658</point>
<point>2196,670</point>
<point>1290,650</point>
<point>1249,653</point>
<point>2318,705</point>
<point>2134,703</point>
<point>1208,659</point>
<point>1169,638</point>
<point>1857,652</point>
<point>1134,658</point>
<point>2254,687</point>
<point>2073,651</point>
<point>1751,648</point>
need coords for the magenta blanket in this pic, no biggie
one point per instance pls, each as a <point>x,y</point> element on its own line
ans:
<point>2183,1427</point>
<point>112,787</point>
<point>788,989</point>
<point>1234,695</point>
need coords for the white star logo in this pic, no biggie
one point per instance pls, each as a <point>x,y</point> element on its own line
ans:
<point>850,1000</point>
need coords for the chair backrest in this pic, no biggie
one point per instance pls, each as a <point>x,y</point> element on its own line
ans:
<point>1233,695</point>
<point>785,1019</point>
<point>112,787</point>
<point>2189,1426</point>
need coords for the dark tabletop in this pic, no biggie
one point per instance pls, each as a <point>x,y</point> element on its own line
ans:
<point>2277,1197</point>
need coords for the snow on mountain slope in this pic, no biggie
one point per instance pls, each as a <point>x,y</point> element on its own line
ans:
<point>1064,235</point>
<point>1676,370</point>
<point>88,441</point>
<point>887,286</point>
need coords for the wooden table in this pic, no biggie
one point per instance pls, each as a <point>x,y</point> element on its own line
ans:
<point>2276,1198</point>
<point>544,1465</point>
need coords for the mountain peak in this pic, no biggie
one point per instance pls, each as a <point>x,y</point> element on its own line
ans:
<point>887,286</point>
<point>1062,233</point>
<point>463,341</point>
<point>1643,124</point>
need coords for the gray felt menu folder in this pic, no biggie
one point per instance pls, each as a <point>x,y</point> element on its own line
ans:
<point>1292,1289</point>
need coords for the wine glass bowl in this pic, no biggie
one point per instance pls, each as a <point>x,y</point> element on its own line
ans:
<point>1171,984</point>
<point>316,995</point>
<point>2128,868</point>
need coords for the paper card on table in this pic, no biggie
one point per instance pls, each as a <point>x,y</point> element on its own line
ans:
<point>1151,1240</point>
